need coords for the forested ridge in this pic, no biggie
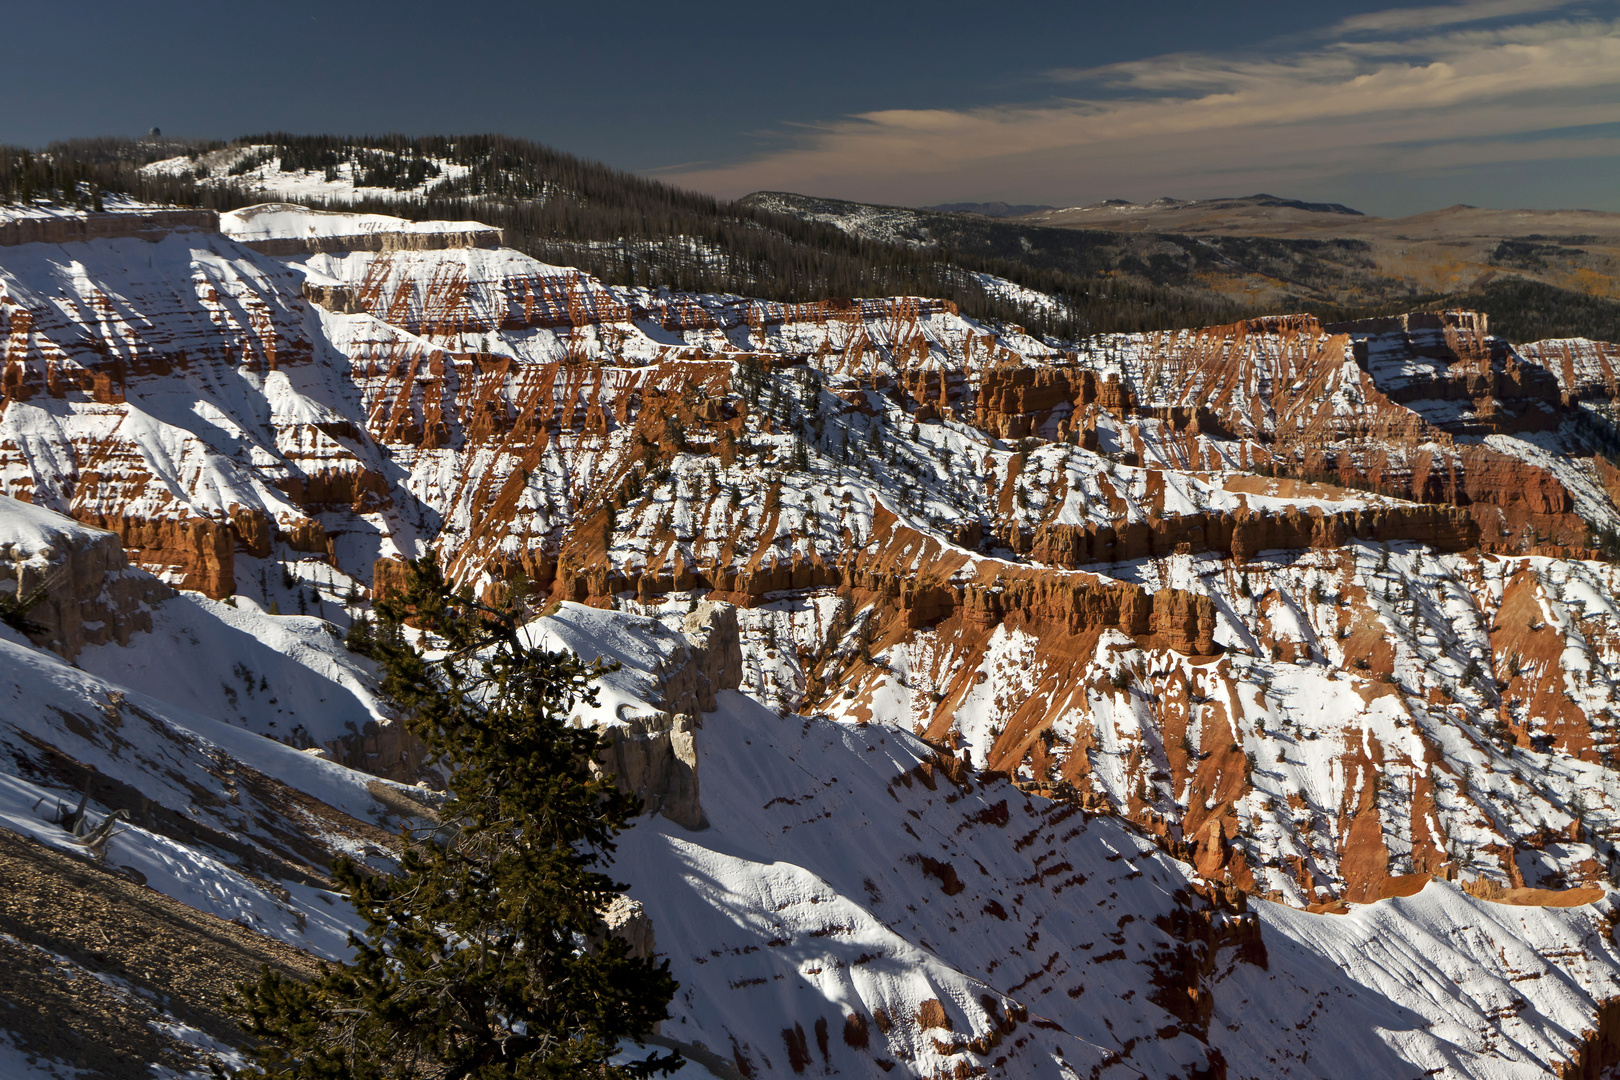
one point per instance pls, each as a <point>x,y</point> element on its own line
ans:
<point>630,230</point>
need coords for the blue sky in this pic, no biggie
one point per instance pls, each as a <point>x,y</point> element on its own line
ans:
<point>1393,110</point>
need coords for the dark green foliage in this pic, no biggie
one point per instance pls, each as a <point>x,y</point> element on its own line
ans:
<point>519,592</point>
<point>1605,540</point>
<point>359,637</point>
<point>485,955</point>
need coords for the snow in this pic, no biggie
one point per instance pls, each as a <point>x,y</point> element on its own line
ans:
<point>885,224</point>
<point>43,210</point>
<point>1419,973</point>
<point>28,531</point>
<point>18,1064</point>
<point>1013,292</point>
<point>259,168</point>
<point>284,677</point>
<point>822,890</point>
<point>190,764</point>
<point>286,220</point>
<point>807,901</point>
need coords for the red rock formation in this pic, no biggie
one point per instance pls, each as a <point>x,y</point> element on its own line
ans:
<point>604,459</point>
<point>193,553</point>
<point>388,576</point>
<point>1599,1048</point>
<point>1585,370</point>
<point>483,236</point>
<point>1242,535</point>
<point>1015,402</point>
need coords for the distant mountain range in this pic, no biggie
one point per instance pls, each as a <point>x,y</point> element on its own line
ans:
<point>1008,210</point>
<point>1540,273</point>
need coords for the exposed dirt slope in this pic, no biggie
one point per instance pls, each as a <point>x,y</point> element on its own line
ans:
<point>108,976</point>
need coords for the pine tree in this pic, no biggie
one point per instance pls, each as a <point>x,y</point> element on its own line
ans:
<point>485,955</point>
<point>359,638</point>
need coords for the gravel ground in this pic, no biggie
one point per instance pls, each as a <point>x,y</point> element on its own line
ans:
<point>109,977</point>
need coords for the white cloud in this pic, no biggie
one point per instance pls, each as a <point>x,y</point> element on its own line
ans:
<point>1158,124</point>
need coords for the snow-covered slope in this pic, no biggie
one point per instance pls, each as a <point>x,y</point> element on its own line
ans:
<point>203,746</point>
<point>374,174</point>
<point>863,901</point>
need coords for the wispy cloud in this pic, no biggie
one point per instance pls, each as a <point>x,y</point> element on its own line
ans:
<point>1427,18</point>
<point>1437,79</point>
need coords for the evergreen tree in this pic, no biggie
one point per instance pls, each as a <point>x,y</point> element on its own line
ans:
<point>485,955</point>
<point>359,637</point>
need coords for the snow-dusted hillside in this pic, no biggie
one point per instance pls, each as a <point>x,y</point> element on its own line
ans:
<point>1202,629</point>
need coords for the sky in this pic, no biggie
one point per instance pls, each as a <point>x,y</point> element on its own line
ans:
<point>1392,110</point>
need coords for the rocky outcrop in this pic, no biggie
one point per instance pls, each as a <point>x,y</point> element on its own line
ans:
<point>283,229</point>
<point>1599,1048</point>
<point>1505,394</point>
<point>439,240</point>
<point>1051,402</point>
<point>1586,370</point>
<point>86,592</point>
<point>627,919</point>
<point>653,755</point>
<point>1516,504</point>
<point>1204,921</point>
<point>387,750</point>
<point>1062,604</point>
<point>1015,402</point>
<point>1242,535</point>
<point>192,553</point>
<point>713,659</point>
<point>388,575</point>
